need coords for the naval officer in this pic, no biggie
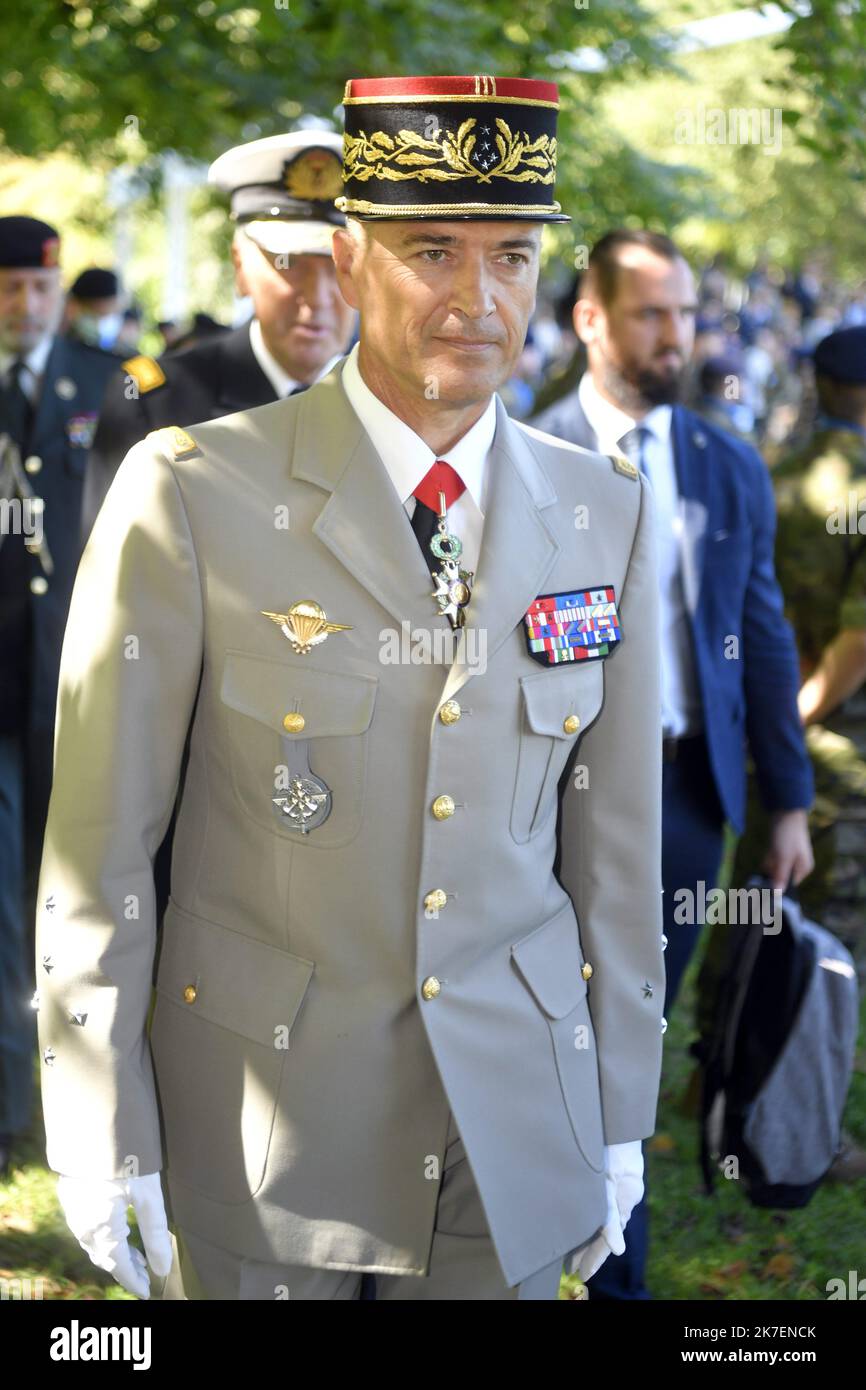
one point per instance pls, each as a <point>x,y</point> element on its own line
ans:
<point>282,190</point>
<point>389,1041</point>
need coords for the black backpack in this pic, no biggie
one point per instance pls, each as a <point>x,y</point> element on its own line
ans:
<point>777,1057</point>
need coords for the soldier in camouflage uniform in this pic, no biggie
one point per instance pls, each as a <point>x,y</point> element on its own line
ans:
<point>821,564</point>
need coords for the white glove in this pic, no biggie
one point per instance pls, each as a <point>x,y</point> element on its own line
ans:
<point>95,1211</point>
<point>623,1176</point>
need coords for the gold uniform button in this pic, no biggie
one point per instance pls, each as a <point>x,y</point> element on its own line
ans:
<point>450,712</point>
<point>443,807</point>
<point>189,994</point>
<point>431,987</point>
<point>39,585</point>
<point>32,464</point>
<point>571,724</point>
<point>294,723</point>
<point>435,900</point>
<point>586,971</point>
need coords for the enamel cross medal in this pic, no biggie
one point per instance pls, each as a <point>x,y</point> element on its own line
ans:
<point>453,584</point>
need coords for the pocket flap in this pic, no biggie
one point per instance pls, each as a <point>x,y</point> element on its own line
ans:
<point>331,702</point>
<point>552,696</point>
<point>241,984</point>
<point>550,961</point>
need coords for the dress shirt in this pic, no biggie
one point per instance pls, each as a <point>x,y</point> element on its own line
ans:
<point>681,701</point>
<point>407,458</point>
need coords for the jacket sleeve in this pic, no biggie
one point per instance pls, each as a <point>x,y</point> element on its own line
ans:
<point>771,669</point>
<point>129,676</point>
<point>611,852</point>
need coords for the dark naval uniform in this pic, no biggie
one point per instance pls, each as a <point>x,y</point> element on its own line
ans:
<point>215,377</point>
<point>35,587</point>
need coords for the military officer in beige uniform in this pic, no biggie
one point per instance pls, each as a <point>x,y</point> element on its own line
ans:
<point>390,1043</point>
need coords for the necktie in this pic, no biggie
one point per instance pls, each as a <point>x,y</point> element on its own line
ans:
<point>16,411</point>
<point>633,444</point>
<point>440,478</point>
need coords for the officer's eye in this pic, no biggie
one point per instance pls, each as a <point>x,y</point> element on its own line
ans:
<point>435,252</point>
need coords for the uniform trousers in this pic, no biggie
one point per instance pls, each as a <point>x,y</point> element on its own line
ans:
<point>17,1018</point>
<point>463,1262</point>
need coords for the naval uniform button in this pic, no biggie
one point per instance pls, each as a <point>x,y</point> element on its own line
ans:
<point>431,987</point>
<point>664,1025</point>
<point>586,971</point>
<point>294,723</point>
<point>38,585</point>
<point>435,900</point>
<point>664,942</point>
<point>571,724</point>
<point>189,994</point>
<point>32,464</point>
<point>443,807</point>
<point>450,712</point>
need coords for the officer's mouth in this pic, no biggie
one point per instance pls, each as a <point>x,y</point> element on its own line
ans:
<point>470,345</point>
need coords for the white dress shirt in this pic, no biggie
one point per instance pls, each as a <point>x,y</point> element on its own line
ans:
<point>282,383</point>
<point>34,367</point>
<point>681,702</point>
<point>407,458</point>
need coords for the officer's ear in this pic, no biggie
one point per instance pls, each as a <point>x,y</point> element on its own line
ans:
<point>346,251</point>
<point>586,319</point>
<point>241,283</point>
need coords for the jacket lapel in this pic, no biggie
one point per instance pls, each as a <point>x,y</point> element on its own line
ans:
<point>518,549</point>
<point>51,409</point>
<point>241,382</point>
<point>363,523</point>
<point>693,484</point>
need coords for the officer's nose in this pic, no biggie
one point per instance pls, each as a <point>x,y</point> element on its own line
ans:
<point>471,289</point>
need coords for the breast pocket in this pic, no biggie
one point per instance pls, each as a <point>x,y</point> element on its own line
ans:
<point>220,1037</point>
<point>557,707</point>
<point>330,714</point>
<point>550,961</point>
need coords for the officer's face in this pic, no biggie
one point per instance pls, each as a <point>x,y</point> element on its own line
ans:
<point>444,305</point>
<point>305,319</point>
<point>30,303</point>
<point>639,344</point>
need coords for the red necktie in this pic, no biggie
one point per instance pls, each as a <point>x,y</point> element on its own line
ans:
<point>440,478</point>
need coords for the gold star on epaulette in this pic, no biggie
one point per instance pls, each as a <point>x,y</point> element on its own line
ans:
<point>623,465</point>
<point>145,372</point>
<point>177,442</point>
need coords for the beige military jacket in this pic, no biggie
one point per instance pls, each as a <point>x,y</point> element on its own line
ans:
<point>324,996</point>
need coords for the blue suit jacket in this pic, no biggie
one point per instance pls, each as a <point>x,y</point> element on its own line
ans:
<point>744,649</point>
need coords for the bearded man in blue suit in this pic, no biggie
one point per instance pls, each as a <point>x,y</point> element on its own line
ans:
<point>730,671</point>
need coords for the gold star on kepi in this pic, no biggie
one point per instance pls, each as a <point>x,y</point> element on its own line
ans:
<point>305,625</point>
<point>446,147</point>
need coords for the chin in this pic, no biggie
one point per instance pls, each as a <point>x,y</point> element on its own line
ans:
<point>467,383</point>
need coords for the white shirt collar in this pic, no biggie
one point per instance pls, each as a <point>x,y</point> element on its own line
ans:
<point>405,455</point>
<point>279,379</point>
<point>610,423</point>
<point>34,361</point>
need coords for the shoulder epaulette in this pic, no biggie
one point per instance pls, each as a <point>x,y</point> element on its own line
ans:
<point>176,441</point>
<point>623,465</point>
<point>145,372</point>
